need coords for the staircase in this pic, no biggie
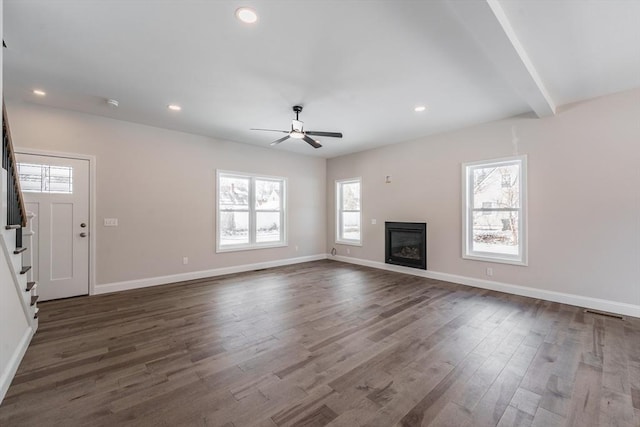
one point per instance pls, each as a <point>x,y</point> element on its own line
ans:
<point>15,219</point>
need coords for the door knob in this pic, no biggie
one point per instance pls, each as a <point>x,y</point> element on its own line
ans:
<point>83,234</point>
<point>83,225</point>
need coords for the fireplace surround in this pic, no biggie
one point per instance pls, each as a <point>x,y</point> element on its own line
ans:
<point>406,244</point>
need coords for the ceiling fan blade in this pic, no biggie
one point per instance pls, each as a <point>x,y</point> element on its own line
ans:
<point>329,134</point>
<point>311,142</point>
<point>273,130</point>
<point>278,141</point>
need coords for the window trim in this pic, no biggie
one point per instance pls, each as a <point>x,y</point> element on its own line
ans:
<point>338,199</point>
<point>467,213</point>
<point>252,212</point>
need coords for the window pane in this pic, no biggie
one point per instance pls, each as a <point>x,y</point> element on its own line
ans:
<point>45,178</point>
<point>234,193</point>
<point>234,228</point>
<point>351,196</point>
<point>351,225</point>
<point>268,227</point>
<point>496,232</point>
<point>268,194</point>
<point>60,179</point>
<point>30,177</point>
<point>496,186</point>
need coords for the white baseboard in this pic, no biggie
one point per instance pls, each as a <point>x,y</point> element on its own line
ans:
<point>571,299</point>
<point>163,280</point>
<point>14,362</point>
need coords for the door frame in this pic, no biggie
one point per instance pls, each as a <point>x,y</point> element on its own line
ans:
<point>92,201</point>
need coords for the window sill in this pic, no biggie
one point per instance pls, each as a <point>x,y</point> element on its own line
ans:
<point>496,259</point>
<point>251,247</point>
<point>348,243</point>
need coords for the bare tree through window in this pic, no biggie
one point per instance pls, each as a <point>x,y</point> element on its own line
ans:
<point>494,208</point>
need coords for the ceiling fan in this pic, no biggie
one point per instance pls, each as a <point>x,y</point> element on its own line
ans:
<point>297,131</point>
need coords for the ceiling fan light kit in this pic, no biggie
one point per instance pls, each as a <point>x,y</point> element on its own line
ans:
<point>297,131</point>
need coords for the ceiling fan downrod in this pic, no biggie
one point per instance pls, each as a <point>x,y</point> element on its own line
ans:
<point>297,109</point>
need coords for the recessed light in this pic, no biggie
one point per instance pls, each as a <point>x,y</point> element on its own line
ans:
<point>419,108</point>
<point>39,92</point>
<point>247,15</point>
<point>174,107</point>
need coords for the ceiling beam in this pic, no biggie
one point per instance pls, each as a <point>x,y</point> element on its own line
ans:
<point>487,22</point>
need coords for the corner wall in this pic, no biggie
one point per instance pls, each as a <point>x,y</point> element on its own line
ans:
<point>160,184</point>
<point>583,198</point>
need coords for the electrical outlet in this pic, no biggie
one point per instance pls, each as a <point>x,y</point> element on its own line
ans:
<point>185,260</point>
<point>348,251</point>
<point>489,271</point>
<point>296,248</point>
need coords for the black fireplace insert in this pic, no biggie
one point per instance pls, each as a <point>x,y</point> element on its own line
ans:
<point>406,244</point>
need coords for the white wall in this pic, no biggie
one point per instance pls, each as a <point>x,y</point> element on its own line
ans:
<point>160,184</point>
<point>15,331</point>
<point>584,197</point>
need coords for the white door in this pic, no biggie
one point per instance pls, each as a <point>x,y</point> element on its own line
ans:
<point>56,190</point>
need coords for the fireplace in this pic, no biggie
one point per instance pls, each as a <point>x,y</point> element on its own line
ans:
<point>406,244</point>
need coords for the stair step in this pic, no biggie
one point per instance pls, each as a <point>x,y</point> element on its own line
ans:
<point>35,313</point>
<point>34,299</point>
<point>13,227</point>
<point>30,286</point>
<point>25,269</point>
<point>19,250</point>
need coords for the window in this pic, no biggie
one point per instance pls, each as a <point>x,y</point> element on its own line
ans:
<point>348,211</point>
<point>251,211</point>
<point>45,179</point>
<point>494,210</point>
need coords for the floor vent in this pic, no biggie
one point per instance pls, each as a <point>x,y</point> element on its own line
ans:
<point>604,313</point>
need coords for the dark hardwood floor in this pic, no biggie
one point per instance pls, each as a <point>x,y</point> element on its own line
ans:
<point>324,343</point>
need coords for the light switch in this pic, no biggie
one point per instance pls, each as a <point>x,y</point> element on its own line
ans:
<point>111,222</point>
<point>373,221</point>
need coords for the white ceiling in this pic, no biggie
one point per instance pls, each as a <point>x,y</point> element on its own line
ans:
<point>358,67</point>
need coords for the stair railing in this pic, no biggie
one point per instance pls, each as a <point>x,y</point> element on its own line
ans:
<point>16,211</point>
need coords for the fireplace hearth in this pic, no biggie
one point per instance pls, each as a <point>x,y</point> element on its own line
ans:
<point>406,244</point>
